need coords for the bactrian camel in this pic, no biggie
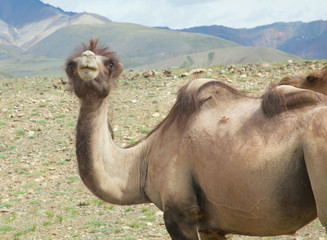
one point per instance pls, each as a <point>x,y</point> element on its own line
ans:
<point>219,163</point>
<point>316,81</point>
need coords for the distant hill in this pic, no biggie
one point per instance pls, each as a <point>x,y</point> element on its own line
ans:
<point>9,51</point>
<point>225,56</point>
<point>136,44</point>
<point>36,38</point>
<point>23,23</point>
<point>18,13</point>
<point>307,40</point>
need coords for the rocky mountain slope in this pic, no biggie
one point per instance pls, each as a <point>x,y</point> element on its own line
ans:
<point>307,40</point>
<point>25,23</point>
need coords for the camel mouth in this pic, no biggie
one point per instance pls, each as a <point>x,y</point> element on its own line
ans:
<point>91,68</point>
<point>88,68</point>
<point>88,73</point>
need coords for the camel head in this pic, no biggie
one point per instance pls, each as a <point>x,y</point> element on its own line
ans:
<point>91,70</point>
<point>316,81</point>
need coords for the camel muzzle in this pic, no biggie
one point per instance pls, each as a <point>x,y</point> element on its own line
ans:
<point>88,67</point>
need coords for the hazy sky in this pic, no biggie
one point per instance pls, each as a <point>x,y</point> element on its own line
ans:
<point>188,13</point>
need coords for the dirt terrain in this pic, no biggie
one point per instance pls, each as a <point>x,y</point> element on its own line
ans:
<point>41,194</point>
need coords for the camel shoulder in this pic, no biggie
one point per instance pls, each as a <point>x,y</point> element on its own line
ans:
<point>287,98</point>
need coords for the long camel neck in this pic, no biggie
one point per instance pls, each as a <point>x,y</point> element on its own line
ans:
<point>113,174</point>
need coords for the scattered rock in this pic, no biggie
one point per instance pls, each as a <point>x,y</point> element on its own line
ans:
<point>31,134</point>
<point>63,80</point>
<point>149,74</point>
<point>167,72</point>
<point>194,72</point>
<point>159,214</point>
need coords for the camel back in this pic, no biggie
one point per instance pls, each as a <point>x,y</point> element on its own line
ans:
<point>274,102</point>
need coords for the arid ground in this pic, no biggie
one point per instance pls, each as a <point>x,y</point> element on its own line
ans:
<point>41,194</point>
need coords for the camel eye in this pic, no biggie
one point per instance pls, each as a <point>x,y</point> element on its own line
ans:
<point>311,79</point>
<point>110,64</point>
<point>71,64</point>
<point>70,68</point>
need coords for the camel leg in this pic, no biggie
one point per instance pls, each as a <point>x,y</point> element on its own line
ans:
<point>182,225</point>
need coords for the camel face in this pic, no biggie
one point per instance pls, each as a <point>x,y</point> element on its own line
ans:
<point>315,81</point>
<point>88,68</point>
<point>91,71</point>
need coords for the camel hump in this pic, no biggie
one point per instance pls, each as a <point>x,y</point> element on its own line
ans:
<point>191,97</point>
<point>286,98</point>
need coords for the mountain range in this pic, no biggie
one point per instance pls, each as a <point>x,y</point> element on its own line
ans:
<point>35,39</point>
<point>306,40</point>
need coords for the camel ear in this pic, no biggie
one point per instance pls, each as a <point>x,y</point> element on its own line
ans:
<point>118,68</point>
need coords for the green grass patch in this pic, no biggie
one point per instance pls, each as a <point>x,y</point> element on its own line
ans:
<point>71,124</point>
<point>60,116</point>
<point>136,224</point>
<point>42,121</point>
<point>5,205</point>
<point>11,147</point>
<point>104,230</point>
<point>26,231</point>
<point>36,202</point>
<point>129,210</point>
<point>6,228</point>
<point>47,223</point>
<point>20,132</point>
<point>83,204</point>
<point>97,223</point>
<point>72,178</point>
<point>110,207</point>
<point>144,131</point>
<point>72,212</point>
<point>9,218</point>
<point>133,141</point>
<point>61,162</point>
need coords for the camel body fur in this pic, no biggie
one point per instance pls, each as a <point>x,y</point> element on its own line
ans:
<point>220,163</point>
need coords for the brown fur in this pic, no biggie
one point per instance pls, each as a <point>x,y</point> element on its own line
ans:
<point>274,102</point>
<point>277,101</point>
<point>315,81</point>
<point>95,47</point>
<point>189,102</point>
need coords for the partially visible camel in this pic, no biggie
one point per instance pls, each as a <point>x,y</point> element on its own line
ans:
<point>316,81</point>
<point>219,163</point>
